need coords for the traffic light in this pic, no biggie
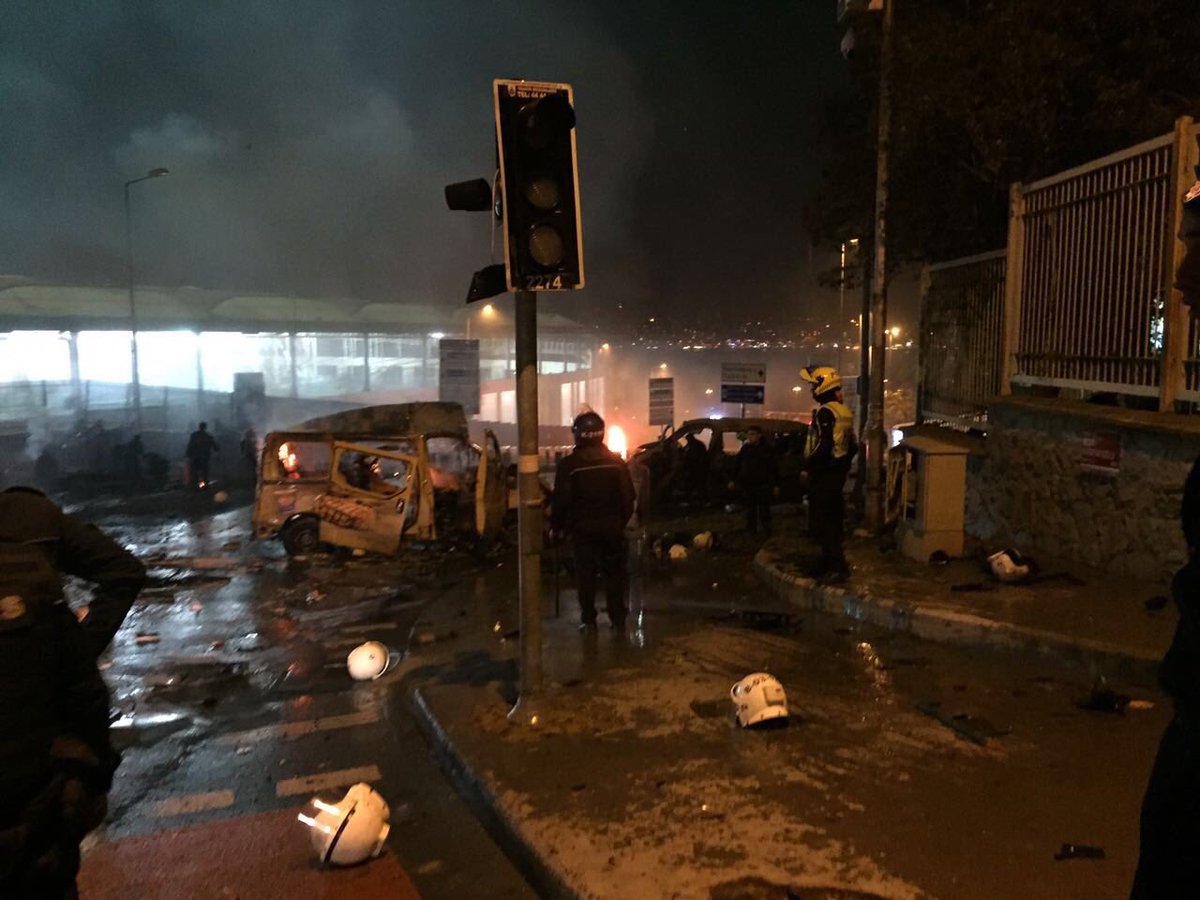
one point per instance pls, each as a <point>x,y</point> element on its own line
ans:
<point>535,134</point>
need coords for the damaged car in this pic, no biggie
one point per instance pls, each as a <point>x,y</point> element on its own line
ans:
<point>696,461</point>
<point>369,479</point>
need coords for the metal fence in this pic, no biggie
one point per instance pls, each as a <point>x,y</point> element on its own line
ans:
<point>1091,256</point>
<point>1082,297</point>
<point>962,327</point>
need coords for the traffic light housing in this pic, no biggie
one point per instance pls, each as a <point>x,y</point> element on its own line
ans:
<point>535,138</point>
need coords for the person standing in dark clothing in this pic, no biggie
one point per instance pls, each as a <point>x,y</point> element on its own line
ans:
<point>830,449</point>
<point>249,448</point>
<point>593,500</point>
<point>200,448</point>
<point>1170,823</point>
<point>56,761</point>
<point>755,479</point>
<point>695,467</point>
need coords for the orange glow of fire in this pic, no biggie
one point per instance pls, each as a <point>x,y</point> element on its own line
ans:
<point>288,459</point>
<point>617,441</point>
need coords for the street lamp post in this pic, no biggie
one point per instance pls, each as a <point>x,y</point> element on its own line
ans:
<point>133,324</point>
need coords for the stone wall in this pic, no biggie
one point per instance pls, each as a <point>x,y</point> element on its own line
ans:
<point>1038,487</point>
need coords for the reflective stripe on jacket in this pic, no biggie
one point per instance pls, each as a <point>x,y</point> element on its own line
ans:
<point>831,432</point>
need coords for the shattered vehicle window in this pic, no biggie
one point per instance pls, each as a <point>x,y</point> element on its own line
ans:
<point>298,460</point>
<point>378,474</point>
<point>452,463</point>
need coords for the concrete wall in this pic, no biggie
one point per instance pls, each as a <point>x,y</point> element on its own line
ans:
<point>1030,489</point>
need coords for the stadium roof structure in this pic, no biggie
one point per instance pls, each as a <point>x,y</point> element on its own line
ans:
<point>28,305</point>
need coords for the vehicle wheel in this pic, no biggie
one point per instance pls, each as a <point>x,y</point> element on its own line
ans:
<point>301,536</point>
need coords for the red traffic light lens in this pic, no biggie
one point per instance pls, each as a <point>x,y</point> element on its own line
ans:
<point>546,246</point>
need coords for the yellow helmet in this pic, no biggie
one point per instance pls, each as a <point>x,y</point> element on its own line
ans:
<point>823,378</point>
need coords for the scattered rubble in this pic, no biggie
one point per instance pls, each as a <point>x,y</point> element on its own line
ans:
<point>1104,699</point>
<point>1079,851</point>
<point>972,728</point>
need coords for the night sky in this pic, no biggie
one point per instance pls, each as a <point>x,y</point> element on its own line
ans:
<point>309,142</point>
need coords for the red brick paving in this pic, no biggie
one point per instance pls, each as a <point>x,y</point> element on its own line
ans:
<point>257,857</point>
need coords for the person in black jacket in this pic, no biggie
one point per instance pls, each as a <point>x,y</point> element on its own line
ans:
<point>755,479</point>
<point>593,500</point>
<point>1170,825</point>
<point>200,448</point>
<point>56,762</point>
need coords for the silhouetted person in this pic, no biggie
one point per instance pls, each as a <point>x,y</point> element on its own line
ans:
<point>1170,826</point>
<point>56,762</point>
<point>830,449</point>
<point>249,448</point>
<point>200,448</point>
<point>695,466</point>
<point>593,501</point>
<point>754,478</point>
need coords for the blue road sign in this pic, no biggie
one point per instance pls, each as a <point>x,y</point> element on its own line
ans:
<point>743,393</point>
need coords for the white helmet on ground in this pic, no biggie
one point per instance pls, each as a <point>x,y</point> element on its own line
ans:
<point>351,831</point>
<point>758,698</point>
<point>1010,567</point>
<point>368,661</point>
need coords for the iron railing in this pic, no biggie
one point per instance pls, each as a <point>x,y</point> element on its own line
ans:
<point>1091,256</point>
<point>962,326</point>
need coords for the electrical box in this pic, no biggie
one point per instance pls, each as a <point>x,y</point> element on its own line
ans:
<point>933,510</point>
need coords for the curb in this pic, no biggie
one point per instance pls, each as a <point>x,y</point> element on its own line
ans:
<point>545,880</point>
<point>951,627</point>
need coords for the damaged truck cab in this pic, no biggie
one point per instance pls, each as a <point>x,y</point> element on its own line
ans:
<point>368,479</point>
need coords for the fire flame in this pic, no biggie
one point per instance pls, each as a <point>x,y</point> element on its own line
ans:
<point>288,459</point>
<point>617,442</point>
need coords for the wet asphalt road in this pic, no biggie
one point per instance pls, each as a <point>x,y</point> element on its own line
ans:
<point>235,704</point>
<point>241,709</point>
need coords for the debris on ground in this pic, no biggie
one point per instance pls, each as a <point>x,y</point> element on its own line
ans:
<point>1140,704</point>
<point>704,541</point>
<point>972,586</point>
<point>677,553</point>
<point>216,645</point>
<point>425,638</point>
<point>146,637</point>
<point>314,597</point>
<point>939,558</point>
<point>1104,699</point>
<point>1079,851</point>
<point>196,606</point>
<point>350,831</point>
<point>975,729</point>
<point>231,546</point>
<point>1154,604</point>
<point>1009,566</point>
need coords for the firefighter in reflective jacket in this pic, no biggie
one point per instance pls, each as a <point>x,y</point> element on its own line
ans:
<point>593,500</point>
<point>56,762</point>
<point>831,447</point>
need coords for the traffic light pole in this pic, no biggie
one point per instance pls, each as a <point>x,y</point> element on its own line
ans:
<point>876,444</point>
<point>529,512</point>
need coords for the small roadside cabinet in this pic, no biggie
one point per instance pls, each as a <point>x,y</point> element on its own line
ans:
<point>933,510</point>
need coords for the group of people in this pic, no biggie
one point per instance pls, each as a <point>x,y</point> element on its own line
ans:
<point>829,450</point>
<point>594,495</point>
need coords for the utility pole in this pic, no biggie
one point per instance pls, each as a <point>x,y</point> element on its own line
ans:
<point>529,510</point>
<point>536,202</point>
<point>135,373</point>
<point>876,442</point>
